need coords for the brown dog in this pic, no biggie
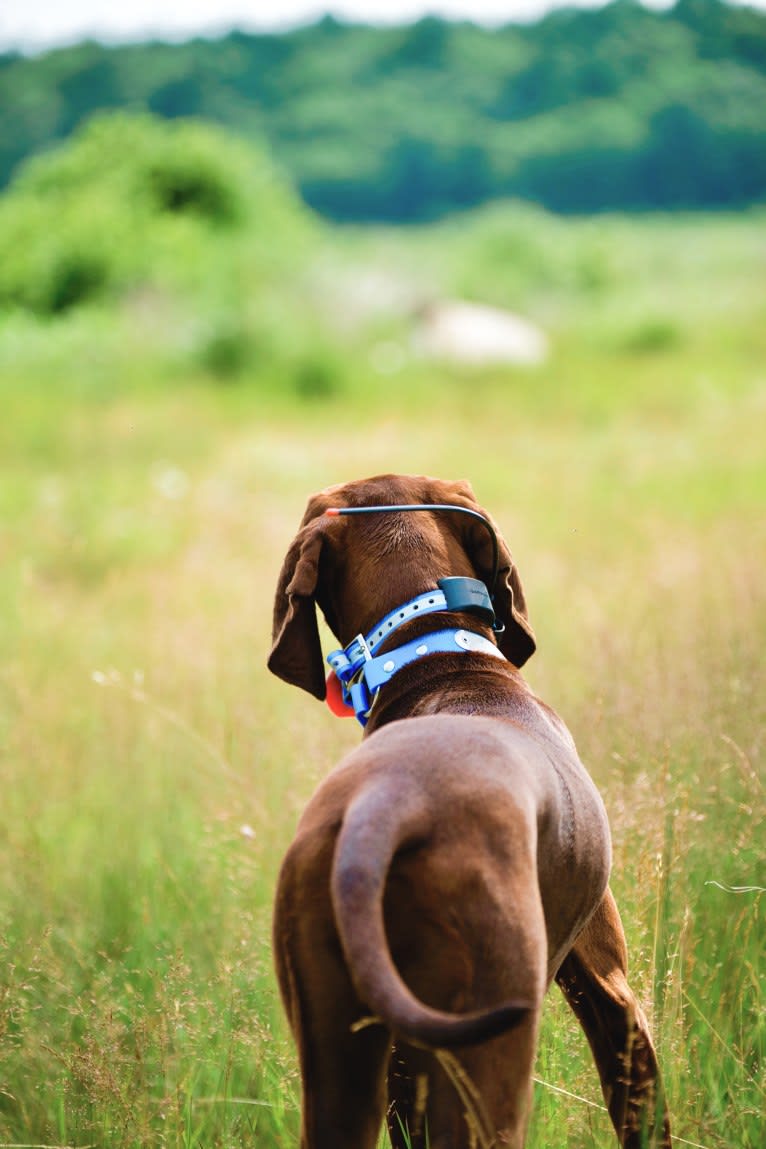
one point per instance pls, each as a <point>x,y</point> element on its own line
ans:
<point>457,861</point>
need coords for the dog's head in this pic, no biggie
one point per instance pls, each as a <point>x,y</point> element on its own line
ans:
<point>359,568</point>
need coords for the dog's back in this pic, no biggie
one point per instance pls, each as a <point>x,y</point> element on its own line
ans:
<point>439,886</point>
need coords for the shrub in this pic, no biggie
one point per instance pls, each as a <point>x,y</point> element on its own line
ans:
<point>179,184</point>
<point>228,350</point>
<point>652,336</point>
<point>131,199</point>
<point>49,265</point>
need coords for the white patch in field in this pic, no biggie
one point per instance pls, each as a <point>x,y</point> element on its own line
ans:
<point>476,333</point>
<point>169,481</point>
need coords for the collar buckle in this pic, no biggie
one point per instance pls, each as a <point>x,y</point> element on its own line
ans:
<point>361,674</point>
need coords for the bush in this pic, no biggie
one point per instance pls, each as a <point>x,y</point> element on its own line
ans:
<point>130,199</point>
<point>154,166</point>
<point>228,350</point>
<point>652,336</point>
<point>49,265</point>
<point>178,184</point>
<point>318,374</point>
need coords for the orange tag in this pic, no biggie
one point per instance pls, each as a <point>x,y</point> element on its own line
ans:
<point>335,697</point>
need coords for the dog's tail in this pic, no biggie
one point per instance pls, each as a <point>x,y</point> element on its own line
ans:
<point>372,832</point>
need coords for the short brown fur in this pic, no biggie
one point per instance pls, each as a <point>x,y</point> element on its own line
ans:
<point>449,868</point>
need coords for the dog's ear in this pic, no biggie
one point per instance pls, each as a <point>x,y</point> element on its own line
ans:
<point>517,641</point>
<point>296,653</point>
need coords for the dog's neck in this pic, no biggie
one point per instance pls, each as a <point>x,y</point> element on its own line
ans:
<point>455,618</point>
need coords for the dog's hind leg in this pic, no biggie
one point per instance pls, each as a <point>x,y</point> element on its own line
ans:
<point>408,1088</point>
<point>475,1095</point>
<point>343,1068</point>
<point>474,1098</point>
<point>343,1079</point>
<point>593,978</point>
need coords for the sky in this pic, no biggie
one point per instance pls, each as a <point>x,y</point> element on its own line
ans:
<point>36,24</point>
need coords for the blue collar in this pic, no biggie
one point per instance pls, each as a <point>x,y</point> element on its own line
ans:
<point>361,673</point>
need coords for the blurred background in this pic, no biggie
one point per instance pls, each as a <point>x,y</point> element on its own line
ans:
<point>246,253</point>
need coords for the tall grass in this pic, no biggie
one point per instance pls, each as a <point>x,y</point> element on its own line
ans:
<point>153,772</point>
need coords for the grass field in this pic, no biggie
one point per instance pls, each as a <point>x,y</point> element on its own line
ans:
<point>152,770</point>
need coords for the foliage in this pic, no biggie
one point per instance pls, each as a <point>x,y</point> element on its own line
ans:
<point>134,202</point>
<point>584,111</point>
<point>159,440</point>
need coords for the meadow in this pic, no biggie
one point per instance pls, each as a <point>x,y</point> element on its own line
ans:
<point>159,441</point>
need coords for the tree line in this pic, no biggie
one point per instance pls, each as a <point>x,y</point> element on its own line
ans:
<point>618,108</point>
